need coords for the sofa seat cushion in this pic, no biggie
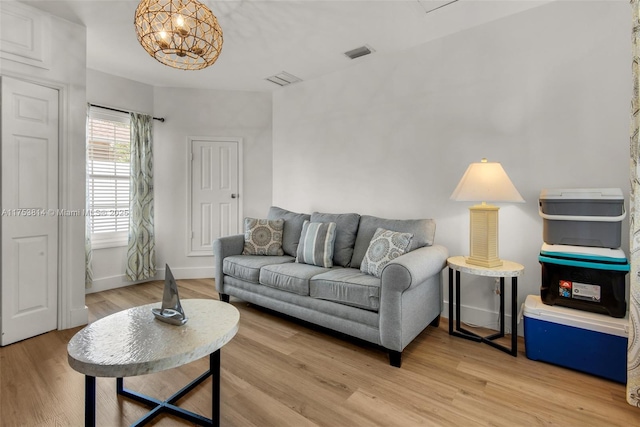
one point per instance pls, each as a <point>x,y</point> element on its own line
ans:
<point>347,286</point>
<point>247,267</point>
<point>290,277</point>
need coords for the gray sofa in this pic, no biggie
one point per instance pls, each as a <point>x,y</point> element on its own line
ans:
<point>390,310</point>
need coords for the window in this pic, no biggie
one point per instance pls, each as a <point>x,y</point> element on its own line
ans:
<point>108,157</point>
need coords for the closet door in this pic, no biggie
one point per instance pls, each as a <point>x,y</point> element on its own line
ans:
<point>214,191</point>
<point>29,210</point>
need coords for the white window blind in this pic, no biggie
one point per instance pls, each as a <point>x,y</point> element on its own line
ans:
<point>108,157</point>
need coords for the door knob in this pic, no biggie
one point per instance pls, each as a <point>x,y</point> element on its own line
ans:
<point>234,195</point>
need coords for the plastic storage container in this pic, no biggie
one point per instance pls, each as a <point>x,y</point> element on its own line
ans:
<point>590,279</point>
<point>579,340</point>
<point>582,216</point>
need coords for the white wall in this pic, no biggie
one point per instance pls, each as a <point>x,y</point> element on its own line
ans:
<point>545,92</point>
<point>187,113</point>
<point>205,113</point>
<point>64,69</point>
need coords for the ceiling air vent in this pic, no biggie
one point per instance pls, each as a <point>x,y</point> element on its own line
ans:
<point>283,79</point>
<point>359,51</point>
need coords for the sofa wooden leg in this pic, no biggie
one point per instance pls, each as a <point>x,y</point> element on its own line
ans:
<point>395,358</point>
<point>435,322</point>
<point>224,297</point>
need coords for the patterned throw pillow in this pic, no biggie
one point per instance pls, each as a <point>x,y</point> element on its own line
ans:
<point>263,236</point>
<point>316,243</point>
<point>385,246</point>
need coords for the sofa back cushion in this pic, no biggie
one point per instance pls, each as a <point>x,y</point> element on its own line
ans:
<point>292,227</point>
<point>423,231</point>
<point>346,229</point>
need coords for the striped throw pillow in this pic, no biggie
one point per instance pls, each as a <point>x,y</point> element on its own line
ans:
<point>316,243</point>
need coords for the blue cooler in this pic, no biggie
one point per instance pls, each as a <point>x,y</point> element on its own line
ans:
<point>580,340</point>
<point>584,278</point>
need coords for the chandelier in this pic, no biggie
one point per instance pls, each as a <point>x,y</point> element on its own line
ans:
<point>182,34</point>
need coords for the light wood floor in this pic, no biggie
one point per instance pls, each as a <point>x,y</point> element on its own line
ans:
<point>277,372</point>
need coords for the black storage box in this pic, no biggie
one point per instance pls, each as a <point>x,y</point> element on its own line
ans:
<point>590,279</point>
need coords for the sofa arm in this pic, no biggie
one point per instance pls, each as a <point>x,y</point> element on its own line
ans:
<point>224,247</point>
<point>410,295</point>
<point>414,267</point>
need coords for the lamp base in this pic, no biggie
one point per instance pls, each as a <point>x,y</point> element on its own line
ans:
<point>489,263</point>
<point>483,236</point>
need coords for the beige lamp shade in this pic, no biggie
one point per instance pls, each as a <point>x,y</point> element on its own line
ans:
<point>485,182</point>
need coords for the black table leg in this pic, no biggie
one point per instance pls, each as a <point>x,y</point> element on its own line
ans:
<point>169,406</point>
<point>89,401</point>
<point>502,306</point>
<point>214,368</point>
<point>459,331</point>
<point>514,315</point>
<point>458,302</point>
<point>451,301</point>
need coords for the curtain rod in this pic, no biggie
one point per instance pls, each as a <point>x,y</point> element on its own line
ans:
<point>160,119</point>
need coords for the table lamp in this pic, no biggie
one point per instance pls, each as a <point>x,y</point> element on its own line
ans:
<point>485,182</point>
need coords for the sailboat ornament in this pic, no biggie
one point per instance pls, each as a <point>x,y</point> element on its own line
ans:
<point>171,311</point>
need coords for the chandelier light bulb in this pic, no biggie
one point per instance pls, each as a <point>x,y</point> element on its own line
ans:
<point>163,41</point>
<point>181,28</point>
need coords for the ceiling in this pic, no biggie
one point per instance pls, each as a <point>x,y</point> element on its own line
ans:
<point>306,38</point>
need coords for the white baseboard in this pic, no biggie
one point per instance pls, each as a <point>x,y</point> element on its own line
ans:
<point>113,282</point>
<point>482,318</point>
<point>78,317</point>
<point>191,272</point>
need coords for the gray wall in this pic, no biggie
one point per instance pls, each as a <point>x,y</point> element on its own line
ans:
<point>546,92</point>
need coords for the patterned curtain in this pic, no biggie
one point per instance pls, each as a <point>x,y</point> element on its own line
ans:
<point>88,269</point>
<point>633,354</point>
<point>141,254</point>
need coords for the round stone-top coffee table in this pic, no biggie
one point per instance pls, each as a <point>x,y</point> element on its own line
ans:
<point>133,342</point>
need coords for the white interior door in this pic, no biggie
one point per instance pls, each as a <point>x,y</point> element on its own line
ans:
<point>29,210</point>
<point>214,192</point>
